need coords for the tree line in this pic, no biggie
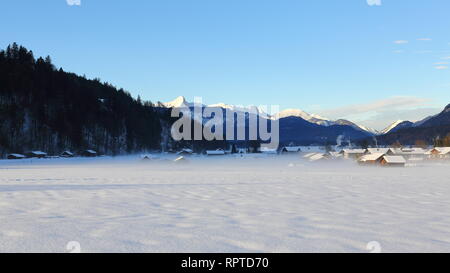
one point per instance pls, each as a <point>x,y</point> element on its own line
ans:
<point>44,108</point>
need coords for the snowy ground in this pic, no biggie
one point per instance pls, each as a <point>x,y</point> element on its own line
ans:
<point>225,204</point>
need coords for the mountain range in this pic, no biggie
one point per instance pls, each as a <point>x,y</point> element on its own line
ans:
<point>297,126</point>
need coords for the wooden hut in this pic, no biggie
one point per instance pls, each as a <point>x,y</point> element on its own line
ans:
<point>393,161</point>
<point>16,156</point>
<point>67,154</point>
<point>440,153</point>
<point>36,154</point>
<point>353,153</point>
<point>370,159</point>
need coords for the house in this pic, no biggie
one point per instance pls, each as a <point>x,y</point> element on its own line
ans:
<point>440,153</point>
<point>353,153</point>
<point>36,154</point>
<point>378,150</point>
<point>67,154</point>
<point>308,155</point>
<point>291,149</point>
<point>408,153</point>
<point>414,153</point>
<point>393,160</point>
<point>89,153</point>
<point>16,156</point>
<point>318,157</point>
<point>370,159</point>
<point>266,150</point>
<point>215,152</point>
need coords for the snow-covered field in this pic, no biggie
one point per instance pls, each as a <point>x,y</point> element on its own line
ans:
<point>224,204</point>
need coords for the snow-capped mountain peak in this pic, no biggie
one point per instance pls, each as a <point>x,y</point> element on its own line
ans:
<point>293,113</point>
<point>313,118</point>
<point>178,102</point>
<point>392,126</point>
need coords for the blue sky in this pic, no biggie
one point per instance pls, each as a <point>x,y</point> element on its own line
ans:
<point>372,64</point>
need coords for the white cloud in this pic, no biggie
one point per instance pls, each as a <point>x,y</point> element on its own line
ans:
<point>378,114</point>
<point>424,39</point>
<point>399,42</point>
<point>374,2</point>
<point>441,67</point>
<point>73,2</point>
<point>441,63</point>
<point>379,105</point>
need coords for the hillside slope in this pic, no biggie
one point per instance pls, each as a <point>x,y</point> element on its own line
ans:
<point>48,109</point>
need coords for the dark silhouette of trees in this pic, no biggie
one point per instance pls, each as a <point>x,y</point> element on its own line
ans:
<point>48,109</point>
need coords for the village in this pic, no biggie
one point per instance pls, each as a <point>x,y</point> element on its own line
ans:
<point>386,156</point>
<point>398,157</point>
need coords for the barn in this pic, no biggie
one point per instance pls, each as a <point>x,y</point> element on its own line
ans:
<point>409,153</point>
<point>440,153</point>
<point>370,159</point>
<point>67,154</point>
<point>378,150</point>
<point>317,157</point>
<point>353,153</point>
<point>393,161</point>
<point>16,156</point>
<point>36,154</point>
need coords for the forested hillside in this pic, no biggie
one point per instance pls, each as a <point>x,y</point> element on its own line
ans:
<point>48,109</point>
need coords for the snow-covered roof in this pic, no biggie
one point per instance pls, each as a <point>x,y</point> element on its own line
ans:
<point>38,153</point>
<point>317,156</point>
<point>67,152</point>
<point>395,159</point>
<point>377,150</point>
<point>371,157</point>
<point>17,155</point>
<point>354,151</point>
<point>267,150</point>
<point>91,151</point>
<point>312,149</point>
<point>443,150</point>
<point>413,150</point>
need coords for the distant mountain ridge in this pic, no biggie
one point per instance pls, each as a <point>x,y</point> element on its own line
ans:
<point>442,119</point>
<point>429,130</point>
<point>296,126</point>
<point>312,118</point>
